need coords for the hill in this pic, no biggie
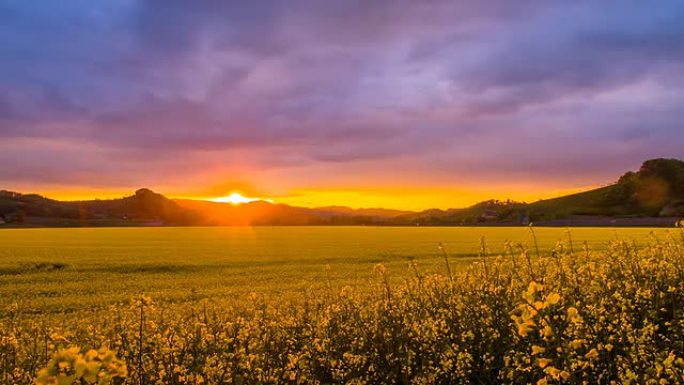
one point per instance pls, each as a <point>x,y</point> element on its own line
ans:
<point>657,189</point>
<point>145,207</point>
<point>653,195</point>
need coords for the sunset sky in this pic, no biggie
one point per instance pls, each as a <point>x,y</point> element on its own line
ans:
<point>401,104</point>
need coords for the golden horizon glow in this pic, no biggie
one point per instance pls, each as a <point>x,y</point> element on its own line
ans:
<point>418,199</point>
<point>399,198</point>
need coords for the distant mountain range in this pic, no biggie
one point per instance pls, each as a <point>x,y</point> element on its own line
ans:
<point>653,195</point>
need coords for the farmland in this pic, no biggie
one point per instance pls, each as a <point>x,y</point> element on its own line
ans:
<point>342,305</point>
<point>66,270</point>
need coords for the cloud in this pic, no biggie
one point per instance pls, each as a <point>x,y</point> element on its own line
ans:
<point>441,90</point>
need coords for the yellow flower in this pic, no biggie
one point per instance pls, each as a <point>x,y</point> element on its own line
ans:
<point>553,372</point>
<point>524,329</point>
<point>572,314</point>
<point>552,299</point>
<point>532,289</point>
<point>592,354</point>
<point>543,362</point>
<point>576,344</point>
<point>537,350</point>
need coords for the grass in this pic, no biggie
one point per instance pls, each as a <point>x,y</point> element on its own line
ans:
<point>342,305</point>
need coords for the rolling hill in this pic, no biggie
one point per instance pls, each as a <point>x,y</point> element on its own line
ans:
<point>653,195</point>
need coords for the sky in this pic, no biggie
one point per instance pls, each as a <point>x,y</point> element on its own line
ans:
<point>402,104</point>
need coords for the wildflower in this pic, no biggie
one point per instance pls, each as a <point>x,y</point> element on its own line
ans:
<point>537,350</point>
<point>552,299</point>
<point>68,365</point>
<point>532,289</point>
<point>553,372</point>
<point>544,362</point>
<point>593,353</point>
<point>577,343</point>
<point>525,328</point>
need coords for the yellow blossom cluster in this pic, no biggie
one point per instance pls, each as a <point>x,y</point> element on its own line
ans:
<point>69,366</point>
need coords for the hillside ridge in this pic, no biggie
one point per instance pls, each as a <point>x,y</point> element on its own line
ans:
<point>652,195</point>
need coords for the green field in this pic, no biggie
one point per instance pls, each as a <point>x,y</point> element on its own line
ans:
<point>64,270</point>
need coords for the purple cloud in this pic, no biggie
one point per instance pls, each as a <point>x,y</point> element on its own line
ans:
<point>455,91</point>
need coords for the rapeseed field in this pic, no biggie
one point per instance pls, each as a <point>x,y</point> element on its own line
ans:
<point>530,313</point>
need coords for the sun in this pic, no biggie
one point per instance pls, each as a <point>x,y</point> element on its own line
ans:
<point>237,199</point>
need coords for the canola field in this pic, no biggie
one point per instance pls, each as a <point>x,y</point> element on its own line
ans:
<point>324,305</point>
<point>67,270</point>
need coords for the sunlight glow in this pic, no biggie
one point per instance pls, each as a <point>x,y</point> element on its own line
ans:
<point>237,199</point>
